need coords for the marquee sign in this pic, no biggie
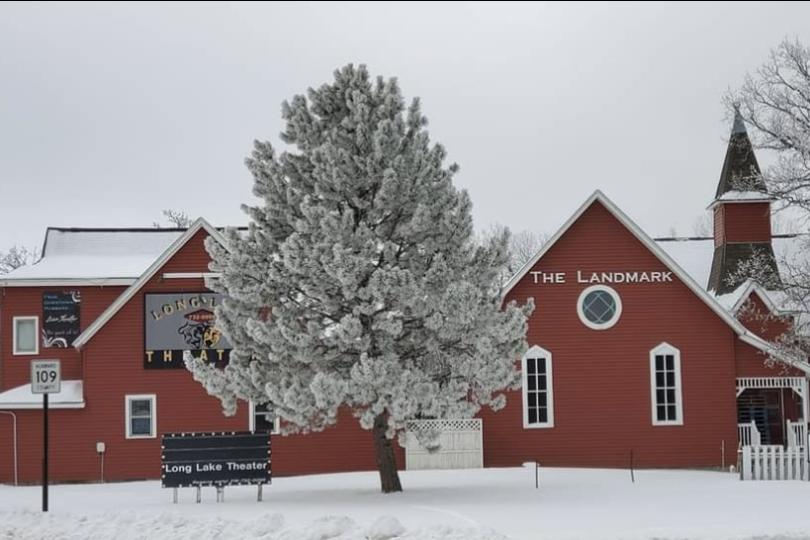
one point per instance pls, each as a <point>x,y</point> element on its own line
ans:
<point>178,322</point>
<point>592,278</point>
<point>60,318</point>
<point>215,459</point>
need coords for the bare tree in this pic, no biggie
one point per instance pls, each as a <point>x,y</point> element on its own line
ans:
<point>176,218</point>
<point>775,103</point>
<point>523,245</point>
<point>703,226</point>
<point>16,257</point>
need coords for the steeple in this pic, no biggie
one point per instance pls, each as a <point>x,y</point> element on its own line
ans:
<point>742,214</point>
<point>740,169</point>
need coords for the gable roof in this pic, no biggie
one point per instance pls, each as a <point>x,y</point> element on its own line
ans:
<point>149,273</point>
<point>661,255</point>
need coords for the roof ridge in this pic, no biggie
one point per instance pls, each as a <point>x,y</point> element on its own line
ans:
<point>134,229</point>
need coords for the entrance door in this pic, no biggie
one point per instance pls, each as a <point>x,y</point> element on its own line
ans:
<point>764,408</point>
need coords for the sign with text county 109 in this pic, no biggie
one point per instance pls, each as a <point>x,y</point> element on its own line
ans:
<point>215,459</point>
<point>46,377</point>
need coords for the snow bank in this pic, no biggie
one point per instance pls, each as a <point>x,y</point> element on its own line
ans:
<point>29,525</point>
<point>570,504</point>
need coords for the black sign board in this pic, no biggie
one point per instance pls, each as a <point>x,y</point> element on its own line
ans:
<point>175,323</point>
<point>215,459</point>
<point>60,318</point>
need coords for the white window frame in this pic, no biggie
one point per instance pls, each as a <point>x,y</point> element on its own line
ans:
<point>538,352</point>
<point>15,350</point>
<point>128,399</point>
<point>599,326</point>
<point>252,420</point>
<point>661,349</point>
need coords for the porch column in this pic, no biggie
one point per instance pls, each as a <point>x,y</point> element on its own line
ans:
<point>805,402</point>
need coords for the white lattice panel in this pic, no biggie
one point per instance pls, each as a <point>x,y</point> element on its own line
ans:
<point>460,445</point>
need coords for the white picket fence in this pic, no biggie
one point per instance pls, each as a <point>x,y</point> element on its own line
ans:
<point>774,462</point>
<point>461,445</point>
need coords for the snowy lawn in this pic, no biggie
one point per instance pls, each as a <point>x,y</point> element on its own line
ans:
<point>487,504</point>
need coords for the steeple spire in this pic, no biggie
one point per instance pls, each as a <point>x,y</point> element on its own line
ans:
<point>739,124</point>
<point>742,213</point>
<point>740,169</point>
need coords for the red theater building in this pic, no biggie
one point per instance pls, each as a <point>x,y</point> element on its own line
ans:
<point>636,344</point>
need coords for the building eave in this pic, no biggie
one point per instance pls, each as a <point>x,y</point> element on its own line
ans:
<point>765,347</point>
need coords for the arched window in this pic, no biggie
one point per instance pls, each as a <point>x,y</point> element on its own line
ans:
<point>665,386</point>
<point>538,393</point>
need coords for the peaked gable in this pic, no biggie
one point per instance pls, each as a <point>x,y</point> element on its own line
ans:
<point>600,198</point>
<point>163,260</point>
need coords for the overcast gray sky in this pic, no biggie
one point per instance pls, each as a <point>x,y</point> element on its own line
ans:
<point>110,113</point>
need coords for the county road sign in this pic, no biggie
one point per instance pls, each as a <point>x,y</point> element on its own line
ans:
<point>46,377</point>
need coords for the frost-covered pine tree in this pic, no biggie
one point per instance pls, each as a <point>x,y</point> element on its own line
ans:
<point>359,285</point>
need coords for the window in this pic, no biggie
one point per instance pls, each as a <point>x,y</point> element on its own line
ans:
<point>262,419</point>
<point>26,335</point>
<point>665,383</point>
<point>141,414</point>
<point>599,307</point>
<point>538,395</point>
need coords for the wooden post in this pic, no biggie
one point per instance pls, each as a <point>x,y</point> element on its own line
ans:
<point>259,493</point>
<point>746,466</point>
<point>199,494</point>
<point>632,473</point>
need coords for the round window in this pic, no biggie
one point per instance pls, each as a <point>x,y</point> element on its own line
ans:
<point>599,307</point>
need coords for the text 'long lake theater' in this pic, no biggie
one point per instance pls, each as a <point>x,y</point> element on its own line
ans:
<point>637,344</point>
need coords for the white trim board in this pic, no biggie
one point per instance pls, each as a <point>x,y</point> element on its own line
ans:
<point>661,349</point>
<point>662,256</point>
<point>190,275</point>
<point>150,272</point>
<point>538,352</point>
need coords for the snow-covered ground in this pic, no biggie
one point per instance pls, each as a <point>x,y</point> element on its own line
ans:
<point>489,504</point>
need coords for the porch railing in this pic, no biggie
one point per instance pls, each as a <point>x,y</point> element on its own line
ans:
<point>796,433</point>
<point>748,434</point>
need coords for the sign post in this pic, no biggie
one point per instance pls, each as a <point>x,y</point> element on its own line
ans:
<point>46,378</point>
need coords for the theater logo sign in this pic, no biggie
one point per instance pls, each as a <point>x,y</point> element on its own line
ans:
<point>178,322</point>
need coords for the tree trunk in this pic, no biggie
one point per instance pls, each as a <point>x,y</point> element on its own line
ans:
<point>386,463</point>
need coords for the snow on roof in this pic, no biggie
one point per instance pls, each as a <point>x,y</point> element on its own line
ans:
<point>84,267</point>
<point>734,195</point>
<point>96,254</point>
<point>70,396</point>
<point>694,255</point>
<point>108,242</point>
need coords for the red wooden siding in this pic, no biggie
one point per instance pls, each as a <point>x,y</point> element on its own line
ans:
<point>113,368</point>
<point>602,395</point>
<point>752,362</point>
<point>27,301</point>
<point>745,222</point>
